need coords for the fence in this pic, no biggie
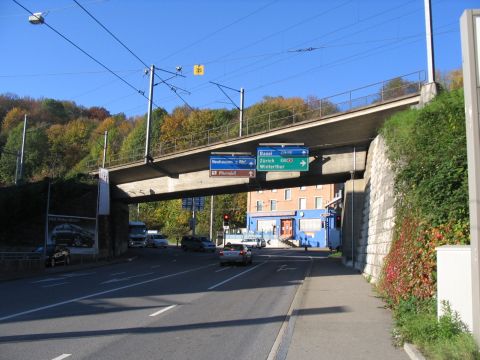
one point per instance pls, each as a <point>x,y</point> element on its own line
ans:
<point>373,94</point>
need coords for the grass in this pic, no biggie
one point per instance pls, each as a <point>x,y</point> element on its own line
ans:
<point>446,338</point>
<point>335,254</point>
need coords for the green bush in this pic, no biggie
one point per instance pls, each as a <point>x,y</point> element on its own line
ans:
<point>446,338</point>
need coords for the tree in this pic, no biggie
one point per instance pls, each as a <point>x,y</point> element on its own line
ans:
<point>12,119</point>
<point>36,150</point>
<point>397,87</point>
<point>274,112</point>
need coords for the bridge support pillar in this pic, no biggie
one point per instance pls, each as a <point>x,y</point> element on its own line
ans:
<point>352,219</point>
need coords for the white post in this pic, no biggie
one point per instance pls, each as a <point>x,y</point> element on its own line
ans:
<point>149,115</point>
<point>242,91</point>
<point>211,219</point>
<point>429,39</point>
<point>470,28</point>
<point>22,152</point>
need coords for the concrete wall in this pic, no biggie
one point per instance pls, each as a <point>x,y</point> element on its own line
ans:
<point>378,215</point>
<point>353,201</point>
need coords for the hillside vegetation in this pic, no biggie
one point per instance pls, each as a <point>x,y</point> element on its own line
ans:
<point>427,148</point>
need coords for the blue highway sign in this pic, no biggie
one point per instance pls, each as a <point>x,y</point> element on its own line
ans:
<point>233,166</point>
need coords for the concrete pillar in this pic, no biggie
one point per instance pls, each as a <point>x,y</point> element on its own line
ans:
<point>351,226</point>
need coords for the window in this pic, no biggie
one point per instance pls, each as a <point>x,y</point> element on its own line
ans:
<point>302,203</point>
<point>266,226</point>
<point>288,194</point>
<point>319,187</point>
<point>318,202</point>
<point>303,188</point>
<point>274,190</point>
<point>259,191</point>
<point>259,205</point>
<point>273,205</point>
<point>311,224</point>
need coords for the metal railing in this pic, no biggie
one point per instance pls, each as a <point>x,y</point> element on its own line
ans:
<point>20,256</point>
<point>373,94</point>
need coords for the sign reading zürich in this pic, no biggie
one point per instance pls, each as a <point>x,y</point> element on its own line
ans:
<point>282,158</point>
<point>233,166</point>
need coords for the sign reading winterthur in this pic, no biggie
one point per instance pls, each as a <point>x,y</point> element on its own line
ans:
<point>282,158</point>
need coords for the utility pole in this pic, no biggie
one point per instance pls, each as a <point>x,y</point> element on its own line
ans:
<point>149,116</point>
<point>470,35</point>
<point>242,93</point>
<point>105,142</point>
<point>22,152</point>
<point>211,219</point>
<point>428,31</point>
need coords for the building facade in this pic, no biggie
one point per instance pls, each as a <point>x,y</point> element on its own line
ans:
<point>306,215</point>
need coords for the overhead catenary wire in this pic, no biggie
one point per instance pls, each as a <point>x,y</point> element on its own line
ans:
<point>171,87</point>
<point>379,14</point>
<point>84,52</point>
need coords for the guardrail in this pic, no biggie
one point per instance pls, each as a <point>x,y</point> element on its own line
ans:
<point>20,256</point>
<point>365,96</point>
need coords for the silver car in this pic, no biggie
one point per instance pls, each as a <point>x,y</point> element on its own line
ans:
<point>157,241</point>
<point>235,253</point>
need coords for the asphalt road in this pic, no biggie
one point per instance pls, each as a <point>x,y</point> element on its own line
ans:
<point>163,304</point>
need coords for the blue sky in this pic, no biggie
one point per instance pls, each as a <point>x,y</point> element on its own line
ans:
<point>259,45</point>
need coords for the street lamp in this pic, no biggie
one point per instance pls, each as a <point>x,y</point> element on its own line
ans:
<point>36,18</point>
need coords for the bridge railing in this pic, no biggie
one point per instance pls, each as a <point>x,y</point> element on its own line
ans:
<point>377,93</point>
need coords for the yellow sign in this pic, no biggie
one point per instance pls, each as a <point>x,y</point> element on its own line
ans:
<point>198,70</point>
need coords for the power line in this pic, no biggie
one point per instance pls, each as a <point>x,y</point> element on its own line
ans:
<point>172,87</point>
<point>219,30</point>
<point>203,85</point>
<point>83,51</point>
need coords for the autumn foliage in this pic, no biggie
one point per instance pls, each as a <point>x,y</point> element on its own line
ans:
<point>427,148</point>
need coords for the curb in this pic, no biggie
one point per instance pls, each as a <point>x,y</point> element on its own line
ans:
<point>412,352</point>
<point>279,349</point>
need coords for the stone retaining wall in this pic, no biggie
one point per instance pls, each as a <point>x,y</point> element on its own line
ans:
<point>378,216</point>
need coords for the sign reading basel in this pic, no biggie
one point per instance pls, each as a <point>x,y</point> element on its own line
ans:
<point>282,158</point>
<point>233,166</point>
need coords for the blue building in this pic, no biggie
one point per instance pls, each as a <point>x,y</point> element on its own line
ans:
<point>314,220</point>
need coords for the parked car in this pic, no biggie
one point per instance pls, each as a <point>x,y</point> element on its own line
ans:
<point>72,235</point>
<point>55,254</point>
<point>254,242</point>
<point>157,241</point>
<point>235,253</point>
<point>197,243</point>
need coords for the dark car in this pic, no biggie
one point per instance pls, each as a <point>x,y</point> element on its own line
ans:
<point>55,254</point>
<point>197,243</point>
<point>72,235</point>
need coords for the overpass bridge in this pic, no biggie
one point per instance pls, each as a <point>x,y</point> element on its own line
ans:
<point>338,144</point>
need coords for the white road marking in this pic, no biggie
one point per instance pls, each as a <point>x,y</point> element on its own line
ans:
<point>61,357</point>
<point>101,293</point>
<point>118,273</point>
<point>163,310</point>
<point>46,280</point>
<point>62,277</point>
<point>233,277</point>
<point>125,278</point>
<point>284,267</point>
<point>223,269</point>
<point>57,284</point>
<point>78,274</point>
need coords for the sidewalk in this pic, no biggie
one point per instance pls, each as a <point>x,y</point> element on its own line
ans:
<point>337,315</point>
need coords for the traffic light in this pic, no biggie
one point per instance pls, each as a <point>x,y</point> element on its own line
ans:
<point>338,221</point>
<point>226,219</point>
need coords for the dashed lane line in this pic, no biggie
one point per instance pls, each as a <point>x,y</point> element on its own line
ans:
<point>163,310</point>
<point>100,293</point>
